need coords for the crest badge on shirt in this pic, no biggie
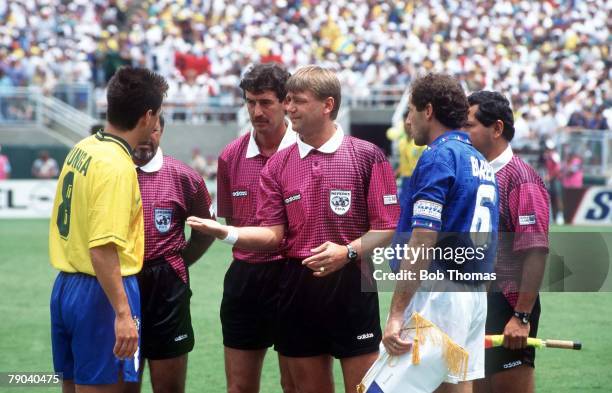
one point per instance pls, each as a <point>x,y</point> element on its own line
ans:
<point>163,219</point>
<point>340,201</point>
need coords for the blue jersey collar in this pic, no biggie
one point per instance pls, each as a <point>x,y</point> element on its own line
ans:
<point>450,136</point>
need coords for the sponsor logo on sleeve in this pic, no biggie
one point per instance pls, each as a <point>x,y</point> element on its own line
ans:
<point>527,220</point>
<point>428,209</point>
<point>293,198</point>
<point>390,199</point>
<point>340,201</point>
<point>240,193</point>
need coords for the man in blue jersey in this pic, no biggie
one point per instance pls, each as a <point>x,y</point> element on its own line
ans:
<point>452,197</point>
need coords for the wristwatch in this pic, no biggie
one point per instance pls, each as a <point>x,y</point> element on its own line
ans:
<point>522,316</point>
<point>351,254</point>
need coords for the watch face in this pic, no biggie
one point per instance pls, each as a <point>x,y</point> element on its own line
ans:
<point>352,254</point>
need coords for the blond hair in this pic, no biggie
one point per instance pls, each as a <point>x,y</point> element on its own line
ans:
<point>322,82</point>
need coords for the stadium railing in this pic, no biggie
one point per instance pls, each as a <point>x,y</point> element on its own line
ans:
<point>28,106</point>
<point>229,108</point>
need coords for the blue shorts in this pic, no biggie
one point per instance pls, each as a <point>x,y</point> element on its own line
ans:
<point>83,330</point>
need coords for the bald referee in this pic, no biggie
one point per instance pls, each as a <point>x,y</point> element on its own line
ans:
<point>96,241</point>
<point>318,198</point>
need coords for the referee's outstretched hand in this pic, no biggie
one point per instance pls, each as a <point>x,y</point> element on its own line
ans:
<point>328,258</point>
<point>207,226</point>
<point>126,336</point>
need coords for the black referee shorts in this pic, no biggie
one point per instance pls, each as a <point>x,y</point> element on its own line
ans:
<point>499,312</point>
<point>166,317</point>
<point>250,304</point>
<point>326,315</point>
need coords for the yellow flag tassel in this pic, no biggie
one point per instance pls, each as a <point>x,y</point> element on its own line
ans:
<point>455,357</point>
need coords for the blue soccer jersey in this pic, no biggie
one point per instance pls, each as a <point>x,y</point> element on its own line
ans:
<point>453,191</point>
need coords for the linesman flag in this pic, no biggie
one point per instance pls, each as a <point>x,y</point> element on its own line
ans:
<point>433,357</point>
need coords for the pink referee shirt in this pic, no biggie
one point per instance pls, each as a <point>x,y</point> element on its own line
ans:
<point>240,165</point>
<point>523,218</point>
<point>170,191</point>
<point>335,193</point>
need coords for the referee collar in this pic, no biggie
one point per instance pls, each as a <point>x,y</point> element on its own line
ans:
<point>502,160</point>
<point>155,164</point>
<point>288,139</point>
<point>328,147</point>
<point>106,137</point>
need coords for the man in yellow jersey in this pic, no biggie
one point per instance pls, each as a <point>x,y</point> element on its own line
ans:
<point>409,154</point>
<point>96,240</point>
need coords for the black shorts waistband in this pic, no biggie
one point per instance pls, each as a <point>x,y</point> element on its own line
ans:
<point>259,263</point>
<point>155,262</point>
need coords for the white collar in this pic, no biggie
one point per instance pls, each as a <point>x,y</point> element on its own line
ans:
<point>288,139</point>
<point>329,147</point>
<point>155,164</point>
<point>502,160</point>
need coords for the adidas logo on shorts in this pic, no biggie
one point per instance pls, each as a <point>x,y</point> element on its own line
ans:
<point>365,336</point>
<point>513,364</point>
<point>180,338</point>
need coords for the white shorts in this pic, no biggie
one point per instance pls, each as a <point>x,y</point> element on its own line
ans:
<point>461,315</point>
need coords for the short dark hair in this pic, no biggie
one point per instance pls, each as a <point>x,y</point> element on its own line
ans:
<point>266,76</point>
<point>131,93</point>
<point>446,96</point>
<point>493,106</point>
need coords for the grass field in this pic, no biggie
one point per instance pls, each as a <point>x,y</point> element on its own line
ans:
<point>26,279</point>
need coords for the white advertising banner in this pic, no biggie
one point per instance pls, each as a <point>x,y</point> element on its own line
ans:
<point>595,207</point>
<point>26,198</point>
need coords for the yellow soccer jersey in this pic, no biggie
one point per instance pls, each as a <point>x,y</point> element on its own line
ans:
<point>97,202</point>
<point>409,154</point>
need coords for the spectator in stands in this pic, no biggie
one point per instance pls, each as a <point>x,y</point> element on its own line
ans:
<point>546,52</point>
<point>211,168</point>
<point>198,162</point>
<point>579,119</point>
<point>598,121</point>
<point>45,167</point>
<point>572,171</point>
<point>552,179</point>
<point>5,166</point>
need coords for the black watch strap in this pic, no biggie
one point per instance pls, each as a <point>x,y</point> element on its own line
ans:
<point>351,254</point>
<point>522,316</point>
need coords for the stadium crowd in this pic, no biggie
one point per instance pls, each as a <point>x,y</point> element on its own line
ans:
<point>551,56</point>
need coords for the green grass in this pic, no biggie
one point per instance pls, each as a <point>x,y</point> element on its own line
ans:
<point>26,279</point>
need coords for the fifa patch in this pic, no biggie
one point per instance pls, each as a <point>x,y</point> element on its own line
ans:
<point>163,220</point>
<point>240,194</point>
<point>527,220</point>
<point>389,199</point>
<point>293,198</point>
<point>423,208</point>
<point>340,201</point>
